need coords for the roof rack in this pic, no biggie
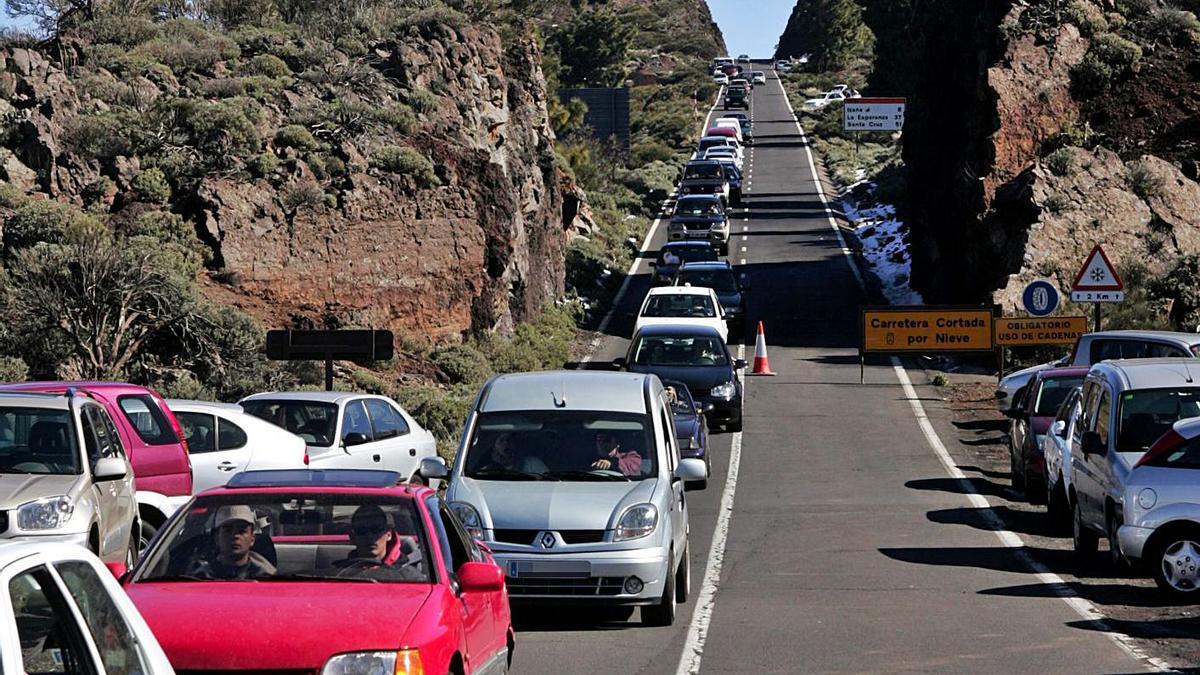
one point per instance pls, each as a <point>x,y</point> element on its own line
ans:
<point>365,478</point>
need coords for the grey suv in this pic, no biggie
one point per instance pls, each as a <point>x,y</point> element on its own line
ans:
<point>575,482</point>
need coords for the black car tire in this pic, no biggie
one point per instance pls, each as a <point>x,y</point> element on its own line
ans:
<point>1057,507</point>
<point>683,580</point>
<point>1154,559</point>
<point>1015,474</point>
<point>147,532</point>
<point>734,427</point>
<point>1083,541</point>
<point>663,613</point>
<point>1115,557</point>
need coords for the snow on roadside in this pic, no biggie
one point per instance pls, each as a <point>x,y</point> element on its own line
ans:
<point>885,242</point>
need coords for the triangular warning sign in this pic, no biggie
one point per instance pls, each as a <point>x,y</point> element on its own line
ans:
<point>1097,274</point>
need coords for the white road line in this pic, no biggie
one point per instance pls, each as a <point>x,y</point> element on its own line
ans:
<point>693,647</point>
<point>1083,607</point>
<point>743,248</point>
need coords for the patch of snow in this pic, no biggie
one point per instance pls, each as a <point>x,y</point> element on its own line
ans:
<point>885,242</point>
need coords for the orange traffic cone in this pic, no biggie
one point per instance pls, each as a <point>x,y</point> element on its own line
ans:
<point>761,365</point>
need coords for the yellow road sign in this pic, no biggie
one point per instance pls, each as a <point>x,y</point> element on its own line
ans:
<point>1047,330</point>
<point>926,329</point>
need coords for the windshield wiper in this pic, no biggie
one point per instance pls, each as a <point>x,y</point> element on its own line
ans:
<point>505,474</point>
<point>176,577</point>
<point>316,577</point>
<point>588,475</point>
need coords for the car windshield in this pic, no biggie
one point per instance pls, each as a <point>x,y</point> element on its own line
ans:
<point>314,421</point>
<point>682,351</point>
<point>713,142</point>
<point>293,537</point>
<point>701,171</point>
<point>1147,414</point>
<point>697,207</point>
<point>720,280</point>
<point>704,253</point>
<point>732,173</point>
<point>680,305</point>
<point>37,440</point>
<point>1052,393</point>
<point>561,445</point>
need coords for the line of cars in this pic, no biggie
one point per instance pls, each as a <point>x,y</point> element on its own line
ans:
<point>1107,438</point>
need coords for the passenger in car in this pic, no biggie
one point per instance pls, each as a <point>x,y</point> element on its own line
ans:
<point>608,449</point>
<point>235,531</point>
<point>504,457</point>
<point>379,550</point>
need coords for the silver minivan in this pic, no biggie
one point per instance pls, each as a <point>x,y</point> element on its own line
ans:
<point>574,481</point>
<point>1126,407</point>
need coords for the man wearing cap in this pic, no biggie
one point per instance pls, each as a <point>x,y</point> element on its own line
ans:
<point>234,532</point>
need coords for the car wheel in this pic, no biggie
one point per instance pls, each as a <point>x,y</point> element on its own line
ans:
<point>1083,540</point>
<point>734,427</point>
<point>683,581</point>
<point>1035,489</point>
<point>663,613</point>
<point>1056,506</point>
<point>131,555</point>
<point>146,533</point>
<point>1016,475</point>
<point>1176,563</point>
<point>1114,543</point>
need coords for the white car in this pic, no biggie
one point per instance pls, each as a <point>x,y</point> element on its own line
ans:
<point>724,151</point>
<point>346,430</point>
<point>729,123</point>
<point>758,77</point>
<point>721,78</point>
<point>682,306</point>
<point>783,66</point>
<point>824,100</point>
<point>223,440</point>
<point>1056,449</point>
<point>709,142</point>
<point>61,611</point>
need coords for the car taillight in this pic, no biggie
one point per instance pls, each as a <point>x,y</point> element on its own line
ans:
<point>1164,445</point>
<point>305,456</point>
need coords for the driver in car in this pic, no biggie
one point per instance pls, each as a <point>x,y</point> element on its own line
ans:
<point>235,558</point>
<point>608,449</point>
<point>379,550</point>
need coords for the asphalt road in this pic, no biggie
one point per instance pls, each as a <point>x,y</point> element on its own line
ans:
<point>831,561</point>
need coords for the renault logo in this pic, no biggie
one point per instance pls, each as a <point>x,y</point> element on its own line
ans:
<point>548,540</point>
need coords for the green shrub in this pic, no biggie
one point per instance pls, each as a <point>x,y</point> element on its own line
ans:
<point>46,221</point>
<point>351,46</point>
<point>268,65</point>
<point>399,117</point>
<point>181,56</point>
<point>295,136</point>
<point>118,59</point>
<point>263,165</point>
<point>435,16</point>
<point>406,162</point>
<point>262,87</point>
<point>184,385</point>
<point>1116,51</point>
<point>13,369</point>
<point>646,150</point>
<point>654,181</point>
<point>371,383</point>
<point>11,196</point>
<point>440,412</point>
<point>151,186</point>
<point>940,380</point>
<point>1175,26</point>
<point>223,87</point>
<point>1143,181</point>
<point>100,135</point>
<point>463,364</point>
<point>1056,203</point>
<point>302,195</point>
<point>1088,17</point>
<point>219,130</point>
<point>95,193</point>
<point>121,29</point>
<point>1060,162</point>
<point>1091,77</point>
<point>421,100</point>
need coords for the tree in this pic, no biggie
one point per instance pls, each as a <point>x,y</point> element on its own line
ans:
<point>52,16</point>
<point>832,31</point>
<point>892,72</point>
<point>593,48</point>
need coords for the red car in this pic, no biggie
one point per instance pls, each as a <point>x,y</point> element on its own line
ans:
<point>1034,411</point>
<point>153,440</point>
<point>333,571</point>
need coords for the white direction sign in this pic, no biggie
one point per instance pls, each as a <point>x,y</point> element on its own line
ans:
<point>1098,296</point>
<point>873,114</point>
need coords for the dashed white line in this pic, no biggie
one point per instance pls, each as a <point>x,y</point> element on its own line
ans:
<point>743,248</point>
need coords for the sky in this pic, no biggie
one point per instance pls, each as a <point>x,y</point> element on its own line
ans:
<point>751,26</point>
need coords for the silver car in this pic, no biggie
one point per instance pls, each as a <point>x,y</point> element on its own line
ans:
<point>64,476</point>
<point>575,482</point>
<point>1056,449</point>
<point>1162,511</point>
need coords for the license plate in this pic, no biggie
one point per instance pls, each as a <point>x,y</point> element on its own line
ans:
<point>557,569</point>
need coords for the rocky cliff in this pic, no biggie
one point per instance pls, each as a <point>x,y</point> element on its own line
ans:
<point>408,183</point>
<point>1035,131</point>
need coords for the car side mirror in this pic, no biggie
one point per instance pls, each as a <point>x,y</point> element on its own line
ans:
<point>620,363</point>
<point>480,577</point>
<point>691,471</point>
<point>433,468</point>
<point>1059,428</point>
<point>744,282</point>
<point>109,468</point>
<point>354,438</point>
<point>740,364</point>
<point>118,569</point>
<point>1092,444</point>
<point>1015,413</point>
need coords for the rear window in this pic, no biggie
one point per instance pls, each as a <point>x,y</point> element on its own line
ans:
<point>1103,350</point>
<point>701,171</point>
<point>1052,394</point>
<point>1147,414</point>
<point>1186,456</point>
<point>147,419</point>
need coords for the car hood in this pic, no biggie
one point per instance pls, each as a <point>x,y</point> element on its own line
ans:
<point>697,378</point>
<point>686,427</point>
<point>554,505</point>
<point>19,488</point>
<point>271,626</point>
<point>730,300</point>
<point>714,322</point>
<point>715,218</point>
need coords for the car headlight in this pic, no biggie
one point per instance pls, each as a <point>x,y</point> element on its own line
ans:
<point>733,311</point>
<point>675,226</point>
<point>45,514</point>
<point>1147,498</point>
<point>469,517</point>
<point>724,391</point>
<point>638,521</point>
<point>403,662</point>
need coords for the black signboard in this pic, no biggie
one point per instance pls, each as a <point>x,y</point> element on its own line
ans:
<point>360,346</point>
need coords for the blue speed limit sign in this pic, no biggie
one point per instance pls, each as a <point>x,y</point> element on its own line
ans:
<point>1040,298</point>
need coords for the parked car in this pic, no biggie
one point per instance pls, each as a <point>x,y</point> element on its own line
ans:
<point>691,425</point>
<point>737,97</point>
<point>675,253</point>
<point>743,118</point>
<point>721,78</point>
<point>1104,345</point>
<point>1161,528</point>
<point>733,131</point>
<point>74,619</point>
<point>783,66</point>
<point>682,306</point>
<point>732,70</point>
<point>1056,448</point>
<point>366,575</point>
<point>731,290</point>
<point>602,520</point>
<point>709,142</point>
<point>704,177</point>
<point>1127,406</point>
<point>724,152</point>
<point>825,99</point>
<point>1030,423</point>
<point>64,475</point>
<point>741,81</point>
<point>733,176</point>
<point>744,58</point>
<point>151,438</point>
<point>700,217</point>
<point>697,357</point>
<point>348,430</point>
<point>722,61</point>
<point>223,440</point>
<point>758,77</point>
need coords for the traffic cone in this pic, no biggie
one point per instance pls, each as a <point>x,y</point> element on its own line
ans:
<point>761,365</point>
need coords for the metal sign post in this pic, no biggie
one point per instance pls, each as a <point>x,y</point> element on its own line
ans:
<point>360,346</point>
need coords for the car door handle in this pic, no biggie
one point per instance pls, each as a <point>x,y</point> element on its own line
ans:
<point>226,466</point>
<point>376,458</point>
<point>412,452</point>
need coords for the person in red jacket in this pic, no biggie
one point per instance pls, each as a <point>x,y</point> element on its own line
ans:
<point>379,550</point>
